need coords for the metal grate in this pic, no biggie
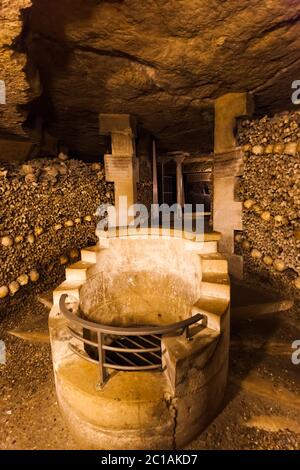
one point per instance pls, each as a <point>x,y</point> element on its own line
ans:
<point>127,349</point>
<point>136,351</point>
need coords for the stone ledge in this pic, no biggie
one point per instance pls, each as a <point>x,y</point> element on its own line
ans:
<point>124,232</point>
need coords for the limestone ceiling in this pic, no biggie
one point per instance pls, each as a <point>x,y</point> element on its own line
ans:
<point>164,61</point>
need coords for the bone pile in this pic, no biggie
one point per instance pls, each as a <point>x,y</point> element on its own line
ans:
<point>270,191</point>
<point>47,214</point>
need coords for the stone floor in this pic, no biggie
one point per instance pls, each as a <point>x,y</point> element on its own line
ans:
<point>261,409</point>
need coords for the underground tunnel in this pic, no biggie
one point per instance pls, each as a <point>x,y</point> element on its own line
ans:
<point>149,225</point>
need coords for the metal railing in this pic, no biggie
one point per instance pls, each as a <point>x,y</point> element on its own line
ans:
<point>120,348</point>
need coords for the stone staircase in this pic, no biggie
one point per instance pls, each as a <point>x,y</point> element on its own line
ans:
<point>77,274</point>
<point>215,285</point>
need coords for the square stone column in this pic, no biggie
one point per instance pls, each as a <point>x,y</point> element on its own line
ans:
<point>121,166</point>
<point>228,166</point>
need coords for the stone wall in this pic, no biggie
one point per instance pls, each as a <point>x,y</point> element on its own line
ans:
<point>47,213</point>
<point>270,240</point>
<point>145,184</point>
<point>145,193</point>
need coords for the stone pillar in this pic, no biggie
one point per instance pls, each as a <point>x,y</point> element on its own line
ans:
<point>179,181</point>
<point>121,165</point>
<point>228,165</point>
<point>154,166</point>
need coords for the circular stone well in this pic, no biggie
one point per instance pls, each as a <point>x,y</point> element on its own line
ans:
<point>136,281</point>
<point>142,282</point>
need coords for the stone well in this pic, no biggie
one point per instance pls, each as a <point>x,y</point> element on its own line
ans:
<point>131,280</point>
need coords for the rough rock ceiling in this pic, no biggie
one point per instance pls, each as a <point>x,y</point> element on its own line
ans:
<point>164,61</point>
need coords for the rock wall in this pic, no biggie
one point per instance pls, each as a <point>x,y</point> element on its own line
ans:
<point>270,191</point>
<point>47,213</point>
<point>15,70</point>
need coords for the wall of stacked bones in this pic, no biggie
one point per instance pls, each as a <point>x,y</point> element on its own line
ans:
<point>270,191</point>
<point>48,206</point>
<point>47,214</point>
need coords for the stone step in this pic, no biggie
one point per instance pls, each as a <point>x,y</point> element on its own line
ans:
<point>32,336</point>
<point>67,287</point>
<point>202,247</point>
<point>214,263</point>
<point>215,285</point>
<point>89,255</point>
<point>257,310</point>
<point>125,232</point>
<point>215,309</point>
<point>46,299</point>
<point>78,271</point>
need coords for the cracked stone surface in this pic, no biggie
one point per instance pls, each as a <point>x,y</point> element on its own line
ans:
<point>12,63</point>
<point>165,61</point>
